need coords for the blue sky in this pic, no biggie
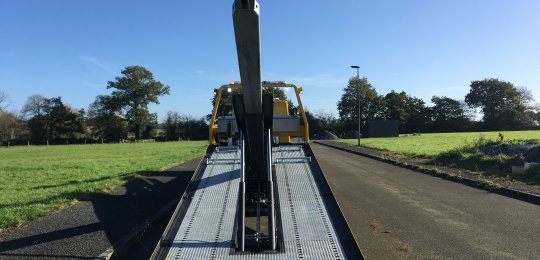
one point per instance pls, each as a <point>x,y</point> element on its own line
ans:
<point>72,48</point>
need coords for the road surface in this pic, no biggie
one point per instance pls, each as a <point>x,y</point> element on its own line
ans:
<point>398,213</point>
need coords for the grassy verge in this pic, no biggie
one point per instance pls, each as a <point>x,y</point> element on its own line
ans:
<point>39,179</point>
<point>462,150</point>
<point>430,145</point>
<point>472,157</point>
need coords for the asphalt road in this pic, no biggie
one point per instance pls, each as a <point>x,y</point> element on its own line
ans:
<point>399,213</point>
<point>86,230</point>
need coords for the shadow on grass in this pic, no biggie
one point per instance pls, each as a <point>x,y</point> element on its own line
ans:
<point>123,177</point>
<point>115,213</point>
<point>74,195</point>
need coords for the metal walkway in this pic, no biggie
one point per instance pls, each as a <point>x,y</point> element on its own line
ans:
<point>207,228</point>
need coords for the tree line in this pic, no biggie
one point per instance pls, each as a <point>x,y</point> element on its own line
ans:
<point>119,116</point>
<point>490,105</point>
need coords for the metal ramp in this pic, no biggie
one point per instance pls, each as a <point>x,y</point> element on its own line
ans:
<point>204,226</point>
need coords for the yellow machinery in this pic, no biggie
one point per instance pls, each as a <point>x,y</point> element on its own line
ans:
<point>281,108</point>
<point>286,126</point>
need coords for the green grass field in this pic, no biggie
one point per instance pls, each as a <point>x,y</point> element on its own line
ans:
<point>430,145</point>
<point>36,180</point>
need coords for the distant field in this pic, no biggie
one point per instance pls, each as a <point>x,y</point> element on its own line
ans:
<point>38,179</point>
<point>429,145</point>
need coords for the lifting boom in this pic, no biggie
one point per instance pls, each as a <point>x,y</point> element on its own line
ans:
<point>254,118</point>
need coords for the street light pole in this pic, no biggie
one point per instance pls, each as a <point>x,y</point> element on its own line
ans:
<point>358,98</point>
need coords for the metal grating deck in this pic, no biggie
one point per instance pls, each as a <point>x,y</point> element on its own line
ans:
<point>206,231</point>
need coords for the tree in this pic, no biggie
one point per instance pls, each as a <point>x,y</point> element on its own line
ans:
<point>534,115</point>
<point>5,101</point>
<point>35,106</point>
<point>105,120</point>
<point>62,122</point>
<point>411,112</point>
<point>51,119</point>
<point>151,125</point>
<point>9,126</point>
<point>80,124</point>
<point>327,120</point>
<point>133,92</point>
<point>56,113</point>
<point>8,120</point>
<point>172,126</point>
<point>315,125</point>
<point>503,105</point>
<point>194,129</point>
<point>34,110</point>
<point>359,92</point>
<point>449,114</point>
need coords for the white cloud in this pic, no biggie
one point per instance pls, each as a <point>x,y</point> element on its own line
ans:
<point>97,62</point>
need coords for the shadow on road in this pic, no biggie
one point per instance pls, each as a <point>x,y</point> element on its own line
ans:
<point>46,237</point>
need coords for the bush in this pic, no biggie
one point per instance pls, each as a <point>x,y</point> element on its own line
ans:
<point>533,174</point>
<point>474,156</point>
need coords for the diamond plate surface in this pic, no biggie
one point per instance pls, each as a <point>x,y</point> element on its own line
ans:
<point>207,229</point>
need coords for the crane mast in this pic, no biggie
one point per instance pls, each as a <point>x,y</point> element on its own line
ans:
<point>254,117</point>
